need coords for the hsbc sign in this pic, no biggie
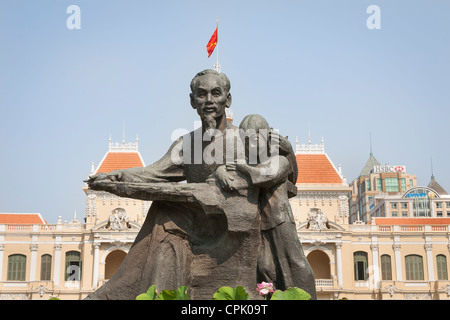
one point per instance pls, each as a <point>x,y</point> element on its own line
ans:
<point>389,169</point>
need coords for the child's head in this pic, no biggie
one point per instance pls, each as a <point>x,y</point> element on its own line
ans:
<point>254,130</point>
<point>255,122</point>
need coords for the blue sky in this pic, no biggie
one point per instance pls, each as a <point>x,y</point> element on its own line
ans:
<point>298,63</point>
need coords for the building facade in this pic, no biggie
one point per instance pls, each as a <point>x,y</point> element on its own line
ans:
<point>376,179</point>
<point>399,248</point>
<point>69,260</point>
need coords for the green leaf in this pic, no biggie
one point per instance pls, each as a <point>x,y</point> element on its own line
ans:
<point>291,294</point>
<point>180,294</point>
<point>149,295</point>
<point>228,293</point>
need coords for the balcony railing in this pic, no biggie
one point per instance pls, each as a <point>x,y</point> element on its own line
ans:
<point>439,228</point>
<point>412,228</point>
<point>31,227</point>
<point>19,227</point>
<point>327,283</point>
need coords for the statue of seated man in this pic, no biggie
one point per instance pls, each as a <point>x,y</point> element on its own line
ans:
<point>179,242</point>
<point>229,225</point>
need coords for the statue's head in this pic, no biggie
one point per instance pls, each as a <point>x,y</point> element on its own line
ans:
<point>255,122</point>
<point>254,130</point>
<point>210,94</point>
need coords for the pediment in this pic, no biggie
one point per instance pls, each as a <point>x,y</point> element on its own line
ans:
<point>332,226</point>
<point>106,226</point>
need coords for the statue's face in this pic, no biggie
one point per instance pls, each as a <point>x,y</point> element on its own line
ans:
<point>210,97</point>
<point>256,143</point>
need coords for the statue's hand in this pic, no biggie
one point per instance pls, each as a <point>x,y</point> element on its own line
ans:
<point>105,177</point>
<point>243,168</point>
<point>224,178</point>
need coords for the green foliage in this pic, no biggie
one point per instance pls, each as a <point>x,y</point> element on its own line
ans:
<point>224,293</point>
<point>291,294</point>
<point>179,294</point>
<point>229,293</point>
<point>53,298</point>
<point>151,294</point>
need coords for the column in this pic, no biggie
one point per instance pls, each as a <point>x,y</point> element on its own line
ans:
<point>430,264</point>
<point>398,261</point>
<point>57,265</point>
<point>339,264</point>
<point>33,248</point>
<point>2,248</point>
<point>375,266</point>
<point>96,262</point>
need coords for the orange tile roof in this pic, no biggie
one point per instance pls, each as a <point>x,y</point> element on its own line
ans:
<point>21,218</point>
<point>119,160</point>
<point>316,168</point>
<point>411,221</point>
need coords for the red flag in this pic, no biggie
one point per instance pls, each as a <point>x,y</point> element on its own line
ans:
<point>212,42</point>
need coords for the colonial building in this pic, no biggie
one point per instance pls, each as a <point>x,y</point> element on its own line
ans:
<point>68,260</point>
<point>395,248</point>
<point>322,188</point>
<point>321,212</point>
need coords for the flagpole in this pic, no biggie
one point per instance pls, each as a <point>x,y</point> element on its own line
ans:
<point>217,65</point>
<point>217,57</point>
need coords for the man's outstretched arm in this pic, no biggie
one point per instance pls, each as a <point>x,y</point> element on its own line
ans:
<point>165,169</point>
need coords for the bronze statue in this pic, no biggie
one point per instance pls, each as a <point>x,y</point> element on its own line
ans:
<point>205,233</point>
<point>281,260</point>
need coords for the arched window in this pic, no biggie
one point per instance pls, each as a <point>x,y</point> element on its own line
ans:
<point>320,263</point>
<point>386,270</point>
<point>73,266</point>
<point>17,264</point>
<point>46,267</point>
<point>414,267</point>
<point>360,265</point>
<point>441,263</point>
<point>113,262</point>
